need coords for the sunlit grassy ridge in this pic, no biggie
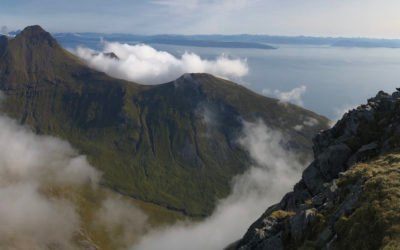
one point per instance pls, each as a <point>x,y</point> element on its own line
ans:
<point>378,211</point>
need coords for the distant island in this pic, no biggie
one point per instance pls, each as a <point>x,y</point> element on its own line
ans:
<point>368,43</point>
<point>74,39</point>
<point>243,41</point>
<point>210,43</point>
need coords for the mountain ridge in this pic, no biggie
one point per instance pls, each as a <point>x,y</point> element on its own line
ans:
<point>149,141</point>
<point>347,197</point>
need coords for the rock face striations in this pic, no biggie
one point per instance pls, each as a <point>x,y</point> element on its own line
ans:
<point>348,197</point>
<point>173,145</point>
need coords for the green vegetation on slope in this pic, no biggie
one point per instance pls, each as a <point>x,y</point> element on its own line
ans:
<point>377,213</point>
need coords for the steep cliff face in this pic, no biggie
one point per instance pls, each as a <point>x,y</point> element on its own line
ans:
<point>174,144</point>
<point>348,197</point>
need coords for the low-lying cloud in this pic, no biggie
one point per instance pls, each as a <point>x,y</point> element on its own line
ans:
<point>274,174</point>
<point>307,122</point>
<point>143,64</point>
<point>294,96</point>
<point>25,156</point>
<point>27,163</point>
<point>4,30</point>
<point>35,213</point>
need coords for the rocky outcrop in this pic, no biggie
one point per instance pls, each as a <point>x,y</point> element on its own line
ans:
<point>3,44</point>
<point>334,190</point>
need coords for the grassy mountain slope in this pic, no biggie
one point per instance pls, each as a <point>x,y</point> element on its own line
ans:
<point>173,145</point>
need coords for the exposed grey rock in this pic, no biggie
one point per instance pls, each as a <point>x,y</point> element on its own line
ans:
<point>333,160</point>
<point>312,178</point>
<point>326,166</point>
<point>300,222</point>
<point>396,94</point>
<point>331,243</point>
<point>318,200</point>
<point>322,141</point>
<point>325,236</point>
<point>363,153</point>
<point>272,243</point>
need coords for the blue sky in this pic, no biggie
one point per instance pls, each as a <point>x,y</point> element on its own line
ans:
<point>368,18</point>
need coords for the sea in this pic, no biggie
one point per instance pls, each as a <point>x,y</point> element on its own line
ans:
<point>336,78</point>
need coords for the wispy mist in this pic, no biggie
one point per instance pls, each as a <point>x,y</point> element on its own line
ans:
<point>294,96</point>
<point>274,173</point>
<point>27,163</point>
<point>146,65</point>
<point>122,221</point>
<point>3,30</point>
<point>37,177</point>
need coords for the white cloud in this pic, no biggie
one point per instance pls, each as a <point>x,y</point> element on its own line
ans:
<point>31,216</point>
<point>25,156</point>
<point>274,174</point>
<point>27,163</point>
<point>298,127</point>
<point>311,122</point>
<point>146,65</point>
<point>4,30</point>
<point>30,220</point>
<point>293,96</point>
<point>308,121</point>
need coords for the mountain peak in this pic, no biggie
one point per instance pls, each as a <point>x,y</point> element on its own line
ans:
<point>33,28</point>
<point>196,78</point>
<point>36,34</point>
<point>32,57</point>
<point>192,76</point>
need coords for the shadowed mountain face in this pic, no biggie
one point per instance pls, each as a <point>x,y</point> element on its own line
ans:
<point>173,144</point>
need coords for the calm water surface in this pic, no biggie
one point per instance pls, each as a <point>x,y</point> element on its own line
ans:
<point>336,78</point>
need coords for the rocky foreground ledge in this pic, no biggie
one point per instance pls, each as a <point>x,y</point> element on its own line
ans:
<point>349,196</point>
